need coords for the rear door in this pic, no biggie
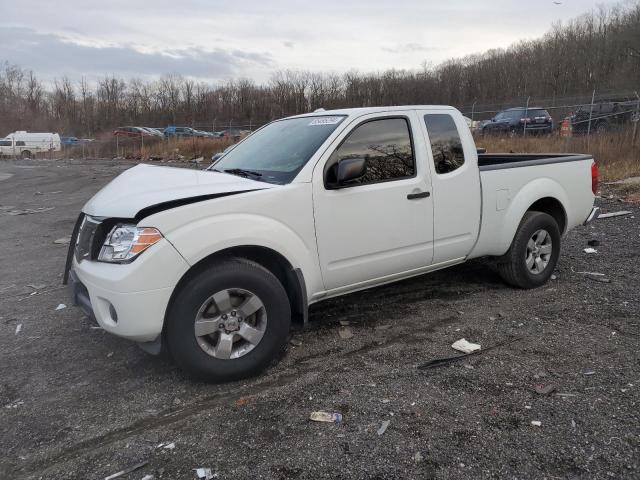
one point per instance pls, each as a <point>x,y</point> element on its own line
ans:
<point>382,224</point>
<point>455,182</point>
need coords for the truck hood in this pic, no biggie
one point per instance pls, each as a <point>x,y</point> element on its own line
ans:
<point>146,187</point>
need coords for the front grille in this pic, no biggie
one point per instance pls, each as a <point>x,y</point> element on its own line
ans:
<point>85,244</point>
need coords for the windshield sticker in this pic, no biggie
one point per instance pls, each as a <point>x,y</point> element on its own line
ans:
<point>325,121</point>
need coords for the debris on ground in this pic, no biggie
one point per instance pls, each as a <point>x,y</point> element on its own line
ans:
<point>536,423</point>
<point>28,211</point>
<point>544,389</point>
<point>464,346</point>
<point>148,477</point>
<point>590,250</point>
<point>344,323</point>
<point>440,362</point>
<point>383,427</point>
<point>36,286</point>
<point>417,457</point>
<point>599,279</point>
<point>18,328</point>
<point>295,342</point>
<point>325,417</point>
<point>204,473</point>
<point>615,214</point>
<point>597,274</point>
<point>15,404</point>
<point>345,333</point>
<point>593,243</point>
<point>63,240</point>
<point>383,327</point>
<point>167,446</point>
<point>132,468</point>
<point>61,306</point>
<point>197,160</point>
<point>589,372</point>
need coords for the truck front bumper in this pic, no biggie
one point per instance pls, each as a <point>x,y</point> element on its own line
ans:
<point>129,300</point>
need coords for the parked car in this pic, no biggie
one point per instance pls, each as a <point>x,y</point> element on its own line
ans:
<point>131,132</point>
<point>516,121</point>
<point>70,141</point>
<point>154,132</point>
<point>604,116</point>
<point>27,144</point>
<point>216,263</point>
<point>172,131</point>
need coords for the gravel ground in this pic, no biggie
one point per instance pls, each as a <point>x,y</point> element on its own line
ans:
<point>77,403</point>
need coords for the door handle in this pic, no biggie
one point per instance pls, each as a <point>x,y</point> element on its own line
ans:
<point>414,196</point>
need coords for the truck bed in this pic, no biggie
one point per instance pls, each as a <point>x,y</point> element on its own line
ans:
<point>497,161</point>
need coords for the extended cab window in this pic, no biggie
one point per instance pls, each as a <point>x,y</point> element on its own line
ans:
<point>5,143</point>
<point>386,146</point>
<point>446,145</point>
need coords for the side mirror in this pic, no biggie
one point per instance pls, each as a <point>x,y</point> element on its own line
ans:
<point>346,171</point>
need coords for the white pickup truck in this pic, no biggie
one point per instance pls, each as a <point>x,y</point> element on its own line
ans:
<point>214,264</point>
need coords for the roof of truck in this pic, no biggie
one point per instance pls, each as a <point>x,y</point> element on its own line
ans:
<point>367,110</point>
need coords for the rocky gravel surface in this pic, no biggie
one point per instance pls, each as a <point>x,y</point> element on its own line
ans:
<point>557,398</point>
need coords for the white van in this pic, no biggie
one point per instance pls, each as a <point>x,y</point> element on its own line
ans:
<point>26,144</point>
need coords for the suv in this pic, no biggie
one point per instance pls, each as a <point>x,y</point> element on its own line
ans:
<point>515,121</point>
<point>604,116</point>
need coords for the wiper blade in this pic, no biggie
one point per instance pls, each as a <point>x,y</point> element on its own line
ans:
<point>242,172</point>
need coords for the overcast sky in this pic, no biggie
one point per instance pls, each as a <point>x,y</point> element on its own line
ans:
<point>214,40</point>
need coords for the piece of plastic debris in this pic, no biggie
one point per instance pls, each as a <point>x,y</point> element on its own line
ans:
<point>593,243</point>
<point>18,328</point>
<point>36,286</point>
<point>527,407</point>
<point>589,372</point>
<point>615,214</point>
<point>204,473</point>
<point>386,400</point>
<point>440,362</point>
<point>464,346</point>
<point>599,279</point>
<point>295,342</point>
<point>383,427</point>
<point>383,327</point>
<point>169,446</point>
<point>553,277</point>
<point>595,274</point>
<point>61,306</point>
<point>148,477</point>
<point>544,389</point>
<point>417,457</point>
<point>326,417</point>
<point>590,250</point>
<point>63,240</point>
<point>536,423</point>
<point>122,473</point>
<point>345,333</point>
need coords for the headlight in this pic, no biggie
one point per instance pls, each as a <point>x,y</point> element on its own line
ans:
<point>126,242</point>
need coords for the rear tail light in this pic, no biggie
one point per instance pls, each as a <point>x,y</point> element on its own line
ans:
<point>594,178</point>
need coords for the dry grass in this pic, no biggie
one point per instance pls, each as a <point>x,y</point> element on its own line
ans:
<point>614,152</point>
<point>149,148</point>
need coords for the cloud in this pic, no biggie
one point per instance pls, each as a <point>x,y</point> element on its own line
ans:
<point>53,55</point>
<point>410,48</point>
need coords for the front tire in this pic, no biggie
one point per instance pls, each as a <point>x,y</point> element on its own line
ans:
<point>534,252</point>
<point>229,321</point>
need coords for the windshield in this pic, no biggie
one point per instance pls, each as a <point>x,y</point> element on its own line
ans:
<point>277,152</point>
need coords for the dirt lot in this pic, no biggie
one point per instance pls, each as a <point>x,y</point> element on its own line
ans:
<point>79,403</point>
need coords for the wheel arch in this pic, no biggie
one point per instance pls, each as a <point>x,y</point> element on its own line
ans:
<point>292,279</point>
<point>551,206</point>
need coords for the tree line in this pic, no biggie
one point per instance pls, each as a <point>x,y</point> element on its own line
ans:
<point>597,50</point>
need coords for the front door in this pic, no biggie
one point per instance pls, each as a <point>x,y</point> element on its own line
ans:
<point>381,224</point>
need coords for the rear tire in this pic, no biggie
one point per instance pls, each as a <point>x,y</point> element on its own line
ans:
<point>534,252</point>
<point>207,355</point>
<point>26,154</point>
